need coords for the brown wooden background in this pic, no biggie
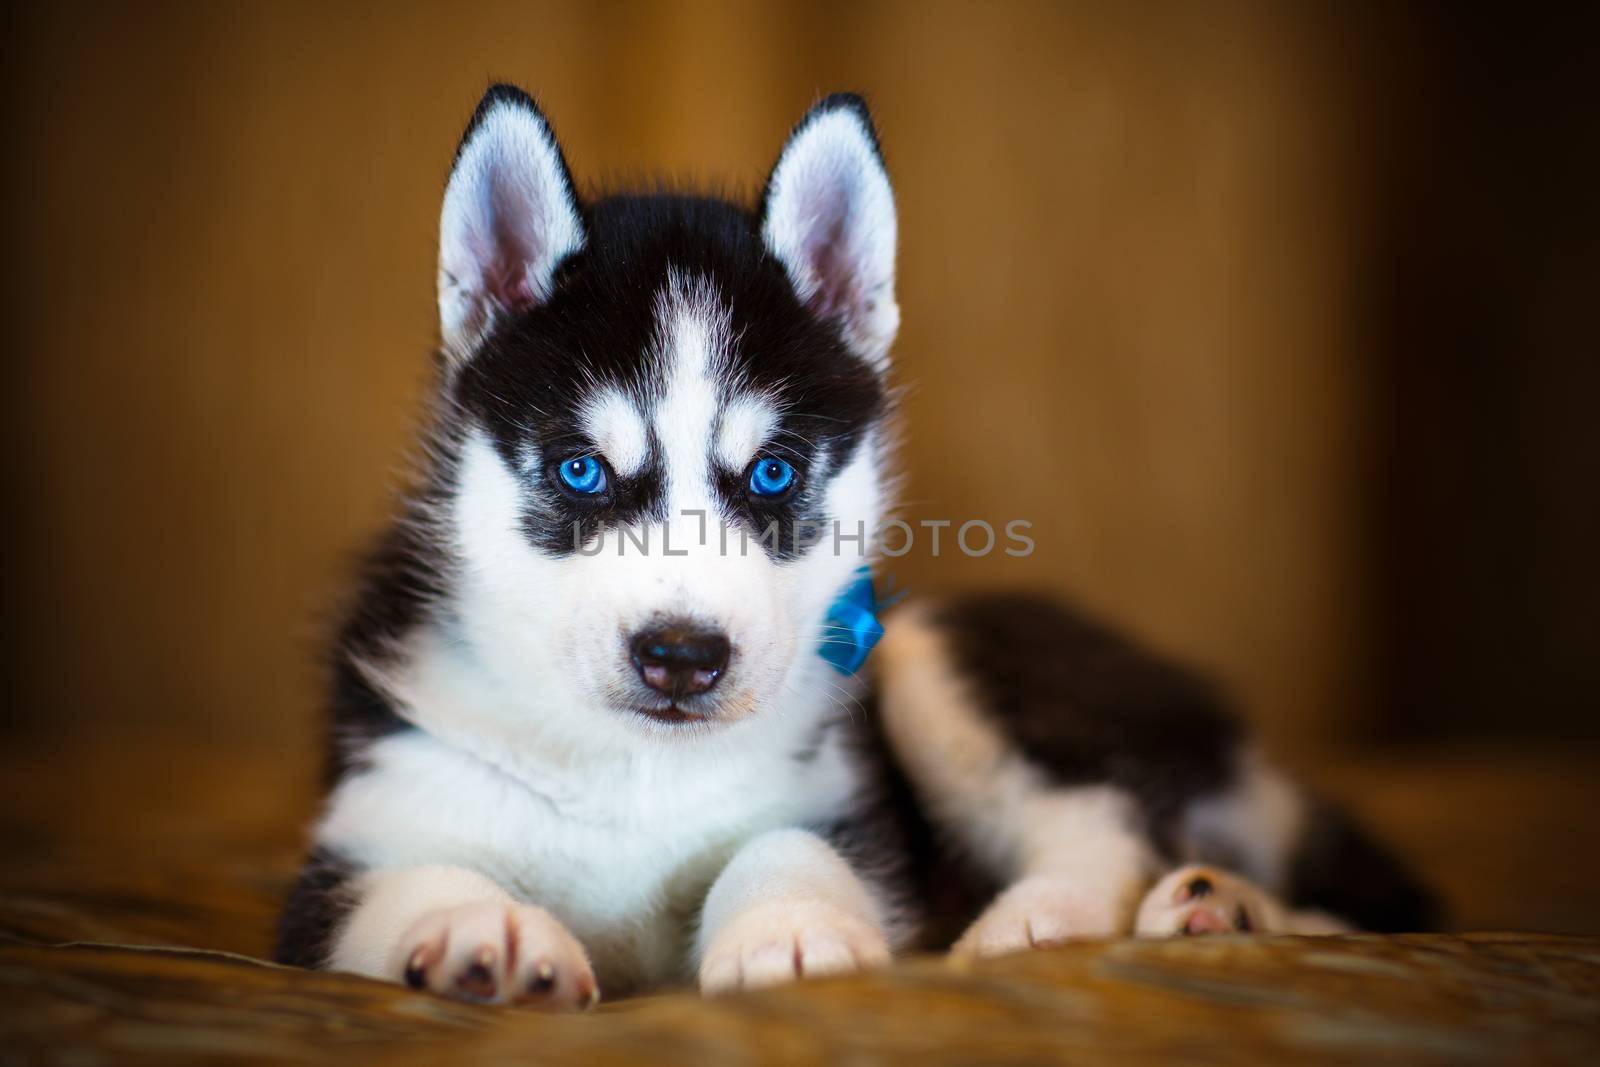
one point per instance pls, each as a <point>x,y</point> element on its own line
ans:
<point>1273,318</point>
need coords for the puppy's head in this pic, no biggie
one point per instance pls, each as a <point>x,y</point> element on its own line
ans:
<point>668,415</point>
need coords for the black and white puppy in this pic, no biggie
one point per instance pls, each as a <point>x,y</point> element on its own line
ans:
<point>583,736</point>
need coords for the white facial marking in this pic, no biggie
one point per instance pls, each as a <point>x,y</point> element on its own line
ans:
<point>614,424</point>
<point>747,422</point>
<point>692,336</point>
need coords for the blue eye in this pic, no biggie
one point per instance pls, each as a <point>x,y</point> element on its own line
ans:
<point>584,474</point>
<point>771,477</point>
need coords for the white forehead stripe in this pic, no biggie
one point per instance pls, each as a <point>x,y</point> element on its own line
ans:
<point>747,421</point>
<point>693,340</point>
<point>616,427</point>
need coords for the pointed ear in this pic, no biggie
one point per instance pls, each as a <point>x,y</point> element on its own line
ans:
<point>509,218</point>
<point>828,216</point>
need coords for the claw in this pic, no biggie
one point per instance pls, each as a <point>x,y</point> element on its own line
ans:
<point>416,975</point>
<point>479,978</point>
<point>544,979</point>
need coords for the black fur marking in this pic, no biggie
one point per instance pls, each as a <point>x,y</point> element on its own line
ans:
<point>1087,706</point>
<point>811,747</point>
<point>318,905</point>
<point>1338,868</point>
<point>361,716</point>
<point>891,845</point>
<point>399,585</point>
<point>530,379</point>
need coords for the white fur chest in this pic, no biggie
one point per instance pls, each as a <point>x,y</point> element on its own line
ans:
<point>622,846</point>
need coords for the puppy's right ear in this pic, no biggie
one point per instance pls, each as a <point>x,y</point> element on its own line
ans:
<point>510,217</point>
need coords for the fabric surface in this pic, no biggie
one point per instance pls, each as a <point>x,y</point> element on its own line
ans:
<point>141,888</point>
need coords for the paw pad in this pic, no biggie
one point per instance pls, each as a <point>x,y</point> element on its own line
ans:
<point>1196,901</point>
<point>497,953</point>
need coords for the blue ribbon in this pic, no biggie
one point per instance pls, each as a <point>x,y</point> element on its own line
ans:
<point>852,627</point>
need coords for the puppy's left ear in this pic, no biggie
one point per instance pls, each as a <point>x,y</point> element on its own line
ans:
<point>509,218</point>
<point>828,216</point>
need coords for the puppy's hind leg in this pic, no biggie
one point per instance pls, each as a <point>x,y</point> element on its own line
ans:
<point>1196,900</point>
<point>1309,865</point>
<point>1072,858</point>
<point>1079,864</point>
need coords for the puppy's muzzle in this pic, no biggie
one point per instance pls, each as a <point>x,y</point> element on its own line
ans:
<point>680,661</point>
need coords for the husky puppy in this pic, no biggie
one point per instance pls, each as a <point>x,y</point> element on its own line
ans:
<point>587,733</point>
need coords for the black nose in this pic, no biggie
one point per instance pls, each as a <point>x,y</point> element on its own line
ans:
<point>680,661</point>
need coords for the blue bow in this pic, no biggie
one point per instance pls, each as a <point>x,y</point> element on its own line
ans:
<point>852,627</point>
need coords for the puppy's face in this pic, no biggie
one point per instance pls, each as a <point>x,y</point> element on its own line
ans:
<point>670,455</point>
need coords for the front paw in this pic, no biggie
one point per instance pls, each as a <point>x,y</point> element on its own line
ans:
<point>1037,912</point>
<point>497,953</point>
<point>777,943</point>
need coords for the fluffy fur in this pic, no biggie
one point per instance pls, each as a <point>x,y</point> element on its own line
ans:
<point>520,811</point>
